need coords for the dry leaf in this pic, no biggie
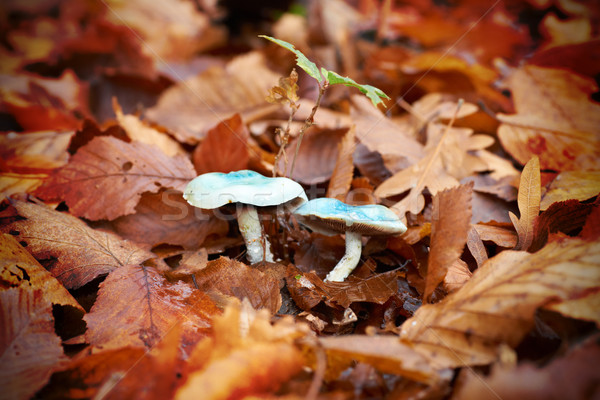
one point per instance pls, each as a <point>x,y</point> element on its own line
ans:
<point>500,235</point>
<point>570,377</point>
<point>224,149</point>
<point>449,227</point>
<point>343,172</point>
<point>136,306</point>
<point>106,178</point>
<point>578,185</point>
<point>73,252</point>
<point>166,218</point>
<point>476,247</point>
<point>192,107</point>
<point>236,279</point>
<point>562,132</point>
<point>30,350</point>
<point>386,353</point>
<point>498,303</point>
<point>18,268</point>
<point>457,275</point>
<point>529,203</point>
<point>35,151</point>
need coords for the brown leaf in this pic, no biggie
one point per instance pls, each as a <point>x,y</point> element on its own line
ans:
<point>386,353</point>
<point>237,279</point>
<point>476,247</point>
<point>224,149</point>
<point>529,203</point>
<point>317,155</point>
<point>591,229</point>
<point>166,218</point>
<point>343,172</point>
<point>498,303</point>
<point>361,192</point>
<point>34,152</point>
<point>578,185</point>
<point>19,269</point>
<point>457,275</point>
<point>72,251</point>
<point>136,306</point>
<point>449,227</point>
<point>498,234</point>
<point>106,178</point>
<point>30,350</point>
<point>192,107</point>
<point>570,377</point>
<point>562,132</point>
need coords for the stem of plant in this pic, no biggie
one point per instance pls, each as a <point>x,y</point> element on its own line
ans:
<point>308,123</point>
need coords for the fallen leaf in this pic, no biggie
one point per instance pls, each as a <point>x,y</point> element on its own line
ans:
<point>500,235</point>
<point>569,377</point>
<point>18,268</point>
<point>591,229</point>
<point>166,218</point>
<point>73,252</point>
<point>34,152</point>
<point>387,354</point>
<point>374,289</point>
<point>498,303</point>
<point>476,247</point>
<point>192,107</point>
<point>136,306</point>
<point>578,185</point>
<point>237,279</point>
<point>529,203</point>
<point>224,149</point>
<point>30,350</point>
<point>13,183</point>
<point>449,227</point>
<point>343,172</point>
<point>105,179</point>
<point>563,132</point>
<point>457,275</point>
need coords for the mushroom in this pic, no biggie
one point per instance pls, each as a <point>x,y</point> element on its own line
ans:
<point>331,216</point>
<point>250,189</point>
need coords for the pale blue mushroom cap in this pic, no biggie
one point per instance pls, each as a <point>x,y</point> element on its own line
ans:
<point>215,189</point>
<point>331,216</point>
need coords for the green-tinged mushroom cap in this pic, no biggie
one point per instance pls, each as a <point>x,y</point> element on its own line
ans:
<point>215,189</point>
<point>331,216</point>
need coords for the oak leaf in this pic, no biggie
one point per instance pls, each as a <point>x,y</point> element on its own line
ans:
<point>30,350</point>
<point>136,306</point>
<point>106,178</point>
<point>529,203</point>
<point>498,303</point>
<point>72,251</point>
<point>224,149</point>
<point>18,268</point>
<point>449,228</point>
<point>555,119</point>
<point>190,108</point>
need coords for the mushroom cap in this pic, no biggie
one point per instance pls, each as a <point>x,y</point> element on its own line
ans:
<point>215,189</point>
<point>331,216</point>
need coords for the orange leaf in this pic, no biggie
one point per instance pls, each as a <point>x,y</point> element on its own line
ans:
<point>342,174</point>
<point>476,247</point>
<point>236,279</point>
<point>579,185</point>
<point>529,203</point>
<point>498,234</point>
<point>224,149</point>
<point>562,132</point>
<point>18,268</point>
<point>106,178</point>
<point>72,251</point>
<point>449,227</point>
<point>498,303</point>
<point>136,306</point>
<point>192,107</point>
<point>30,350</point>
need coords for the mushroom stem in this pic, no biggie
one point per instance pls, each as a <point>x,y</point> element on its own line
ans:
<point>252,233</point>
<point>350,260</point>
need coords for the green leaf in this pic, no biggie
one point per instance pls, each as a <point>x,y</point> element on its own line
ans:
<point>303,62</point>
<point>374,94</point>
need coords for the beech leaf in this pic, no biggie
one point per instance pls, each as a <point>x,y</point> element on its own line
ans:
<point>106,178</point>
<point>308,66</point>
<point>341,177</point>
<point>72,251</point>
<point>529,203</point>
<point>449,227</point>
<point>578,185</point>
<point>30,350</point>
<point>498,303</point>
<point>136,306</point>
